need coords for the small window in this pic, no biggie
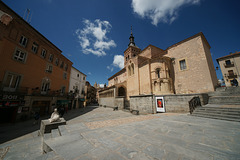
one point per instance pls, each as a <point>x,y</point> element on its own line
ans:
<point>62,64</point>
<point>63,89</point>
<point>84,78</point>
<point>182,64</point>
<point>64,75</point>
<point>57,61</point>
<point>44,53</point>
<point>20,55</point>
<point>23,41</point>
<point>49,68</point>
<point>129,70</point>
<point>50,57</point>
<point>228,62</point>
<point>45,87</point>
<point>230,73</point>
<point>77,75</point>
<point>66,67</point>
<point>158,72</point>
<point>132,69</point>
<point>34,47</point>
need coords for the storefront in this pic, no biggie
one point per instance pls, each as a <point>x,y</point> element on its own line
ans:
<point>10,106</point>
<point>42,107</point>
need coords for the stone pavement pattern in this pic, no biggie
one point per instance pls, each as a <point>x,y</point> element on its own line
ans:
<point>107,134</point>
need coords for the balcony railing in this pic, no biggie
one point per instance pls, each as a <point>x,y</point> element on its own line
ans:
<point>230,76</point>
<point>229,65</point>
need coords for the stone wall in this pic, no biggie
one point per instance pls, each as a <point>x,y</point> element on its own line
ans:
<point>143,103</point>
<point>112,102</point>
<point>146,104</point>
<point>119,101</point>
<point>179,103</point>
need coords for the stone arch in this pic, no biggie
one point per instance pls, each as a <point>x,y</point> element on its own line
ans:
<point>122,91</point>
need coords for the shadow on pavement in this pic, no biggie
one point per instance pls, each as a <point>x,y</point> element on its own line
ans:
<point>10,131</point>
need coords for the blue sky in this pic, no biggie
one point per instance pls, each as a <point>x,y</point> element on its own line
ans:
<point>93,34</point>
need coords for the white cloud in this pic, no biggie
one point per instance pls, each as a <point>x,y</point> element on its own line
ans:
<point>110,68</point>
<point>93,37</point>
<point>89,73</point>
<point>101,85</point>
<point>118,61</point>
<point>160,10</point>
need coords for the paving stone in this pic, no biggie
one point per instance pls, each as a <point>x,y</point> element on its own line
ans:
<point>73,149</point>
<point>113,156</point>
<point>98,152</point>
<point>166,137</point>
<point>133,142</point>
<point>172,156</point>
<point>110,143</point>
<point>154,151</point>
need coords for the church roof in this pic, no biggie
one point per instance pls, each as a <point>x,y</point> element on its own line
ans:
<point>192,37</point>
<point>118,73</point>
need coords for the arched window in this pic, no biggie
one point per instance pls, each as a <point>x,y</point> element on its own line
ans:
<point>129,70</point>
<point>132,69</point>
<point>158,72</point>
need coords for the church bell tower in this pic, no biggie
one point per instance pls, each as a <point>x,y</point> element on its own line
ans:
<point>132,50</point>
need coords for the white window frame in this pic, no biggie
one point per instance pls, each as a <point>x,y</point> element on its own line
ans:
<point>63,89</point>
<point>34,47</point>
<point>183,67</point>
<point>50,57</point>
<point>20,55</point>
<point>45,86</point>
<point>66,67</point>
<point>64,75</point>
<point>43,53</point>
<point>11,87</point>
<point>23,41</point>
<point>57,61</point>
<point>49,68</point>
<point>61,64</point>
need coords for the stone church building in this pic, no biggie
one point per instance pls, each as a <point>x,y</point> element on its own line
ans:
<point>183,68</point>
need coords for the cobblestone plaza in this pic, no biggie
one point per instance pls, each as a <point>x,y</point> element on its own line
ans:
<point>101,133</point>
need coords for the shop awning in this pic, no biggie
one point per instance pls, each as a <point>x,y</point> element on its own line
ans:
<point>82,99</point>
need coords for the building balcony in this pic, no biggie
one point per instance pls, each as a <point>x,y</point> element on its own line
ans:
<point>18,90</point>
<point>11,90</point>
<point>231,76</point>
<point>229,65</point>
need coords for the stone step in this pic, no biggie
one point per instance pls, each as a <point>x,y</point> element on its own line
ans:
<point>218,113</point>
<point>55,133</point>
<point>224,100</point>
<point>50,155</point>
<point>62,130</point>
<point>50,144</point>
<point>217,117</point>
<point>218,109</point>
<point>225,91</point>
<point>47,136</point>
<point>236,116</point>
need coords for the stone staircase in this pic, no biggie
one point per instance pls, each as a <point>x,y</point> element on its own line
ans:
<point>223,104</point>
